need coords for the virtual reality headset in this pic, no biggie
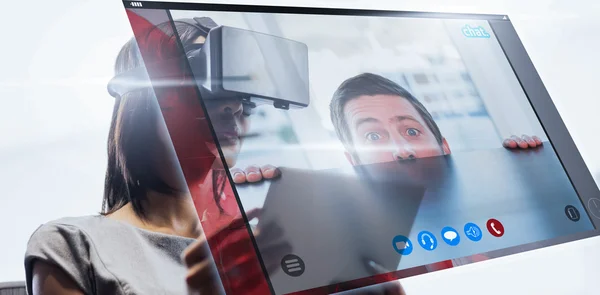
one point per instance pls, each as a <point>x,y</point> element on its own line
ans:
<point>234,63</point>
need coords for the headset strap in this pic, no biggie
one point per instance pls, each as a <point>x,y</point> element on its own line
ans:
<point>203,24</point>
<point>137,79</point>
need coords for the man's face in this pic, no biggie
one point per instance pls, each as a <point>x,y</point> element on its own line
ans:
<point>387,128</point>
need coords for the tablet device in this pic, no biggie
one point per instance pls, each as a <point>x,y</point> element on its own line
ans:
<point>377,87</point>
<point>336,223</point>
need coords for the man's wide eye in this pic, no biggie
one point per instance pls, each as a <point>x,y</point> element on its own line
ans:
<point>413,132</point>
<point>373,136</point>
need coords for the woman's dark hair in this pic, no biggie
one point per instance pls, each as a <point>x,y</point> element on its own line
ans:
<point>133,137</point>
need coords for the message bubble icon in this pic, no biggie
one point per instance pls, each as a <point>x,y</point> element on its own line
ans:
<point>450,236</point>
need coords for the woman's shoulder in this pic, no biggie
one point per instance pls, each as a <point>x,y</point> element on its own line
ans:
<point>65,243</point>
<point>81,222</point>
<point>80,235</point>
<point>68,227</point>
<point>63,227</point>
<point>94,234</point>
<point>86,231</point>
<point>82,247</point>
<point>97,252</point>
<point>74,233</point>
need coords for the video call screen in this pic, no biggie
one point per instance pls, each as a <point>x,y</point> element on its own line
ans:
<point>403,143</point>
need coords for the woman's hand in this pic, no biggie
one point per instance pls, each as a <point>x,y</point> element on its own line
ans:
<point>523,142</point>
<point>389,288</point>
<point>393,287</point>
<point>237,261</point>
<point>254,173</point>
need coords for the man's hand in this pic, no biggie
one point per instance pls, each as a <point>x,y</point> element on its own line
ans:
<point>254,173</point>
<point>523,142</point>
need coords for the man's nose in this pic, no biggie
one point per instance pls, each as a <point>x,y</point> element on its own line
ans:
<point>403,151</point>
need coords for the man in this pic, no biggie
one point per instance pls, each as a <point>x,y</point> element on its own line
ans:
<point>379,121</point>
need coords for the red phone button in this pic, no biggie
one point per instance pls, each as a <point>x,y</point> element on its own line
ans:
<point>495,227</point>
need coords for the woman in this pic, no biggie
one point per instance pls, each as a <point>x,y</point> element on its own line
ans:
<point>148,217</point>
<point>155,189</point>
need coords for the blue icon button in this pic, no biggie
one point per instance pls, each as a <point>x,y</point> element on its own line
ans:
<point>427,240</point>
<point>473,232</point>
<point>450,236</point>
<point>402,245</point>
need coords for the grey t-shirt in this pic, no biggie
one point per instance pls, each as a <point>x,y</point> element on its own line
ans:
<point>105,256</point>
